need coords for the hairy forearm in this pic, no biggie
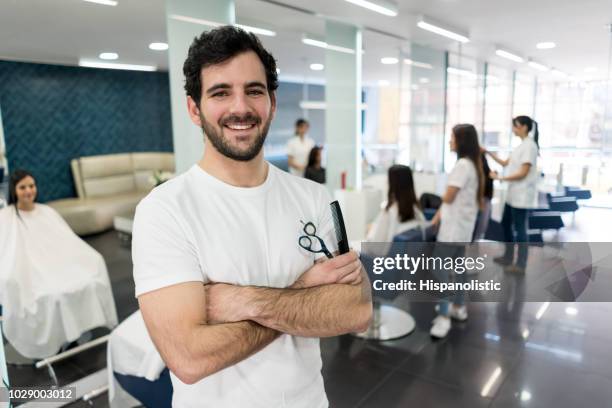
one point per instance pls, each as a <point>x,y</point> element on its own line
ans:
<point>211,348</point>
<point>327,310</point>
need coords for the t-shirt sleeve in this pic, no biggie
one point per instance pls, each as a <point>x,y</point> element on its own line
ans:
<point>290,148</point>
<point>326,222</point>
<point>162,253</point>
<point>529,154</point>
<point>459,175</point>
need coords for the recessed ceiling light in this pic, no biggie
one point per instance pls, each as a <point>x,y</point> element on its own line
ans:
<point>257,30</point>
<point>571,311</point>
<point>112,65</point>
<point>417,64</point>
<point>103,2</point>
<point>424,80</point>
<point>389,60</point>
<point>590,70</point>
<point>210,23</point>
<point>461,72</point>
<point>158,46</point>
<point>109,56</point>
<point>379,6</point>
<point>383,82</point>
<point>546,45</point>
<point>508,55</point>
<point>437,28</point>
<point>317,67</point>
<point>538,66</point>
<point>323,44</point>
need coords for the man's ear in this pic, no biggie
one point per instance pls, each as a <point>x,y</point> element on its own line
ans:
<point>273,104</point>
<point>194,111</point>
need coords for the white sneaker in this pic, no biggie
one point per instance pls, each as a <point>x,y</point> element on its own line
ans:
<point>441,326</point>
<point>459,313</point>
<point>456,312</point>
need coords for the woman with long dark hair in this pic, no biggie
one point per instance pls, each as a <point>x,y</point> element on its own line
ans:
<point>402,211</point>
<point>314,171</point>
<point>522,192</point>
<point>54,286</point>
<point>457,218</point>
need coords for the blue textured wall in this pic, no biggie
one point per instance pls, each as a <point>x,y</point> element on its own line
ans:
<point>53,114</point>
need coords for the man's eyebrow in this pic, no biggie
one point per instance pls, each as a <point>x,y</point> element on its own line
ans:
<point>255,84</point>
<point>217,87</point>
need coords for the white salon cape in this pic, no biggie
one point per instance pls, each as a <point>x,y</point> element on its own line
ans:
<point>130,351</point>
<point>53,286</point>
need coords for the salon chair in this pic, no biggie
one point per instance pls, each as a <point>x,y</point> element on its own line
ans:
<point>388,321</point>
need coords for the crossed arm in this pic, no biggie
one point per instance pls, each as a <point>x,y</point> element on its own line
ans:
<point>199,332</point>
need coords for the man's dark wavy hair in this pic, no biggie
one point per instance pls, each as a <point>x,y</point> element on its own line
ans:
<point>217,46</point>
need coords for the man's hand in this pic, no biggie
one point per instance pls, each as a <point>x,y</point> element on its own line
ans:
<point>222,304</point>
<point>343,268</point>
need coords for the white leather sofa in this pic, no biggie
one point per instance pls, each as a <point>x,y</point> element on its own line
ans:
<point>109,185</point>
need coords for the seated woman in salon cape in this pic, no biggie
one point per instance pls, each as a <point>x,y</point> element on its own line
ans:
<point>53,286</point>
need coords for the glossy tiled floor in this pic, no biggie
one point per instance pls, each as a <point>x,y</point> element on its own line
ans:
<point>511,354</point>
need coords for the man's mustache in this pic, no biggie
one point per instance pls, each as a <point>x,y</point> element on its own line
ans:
<point>248,119</point>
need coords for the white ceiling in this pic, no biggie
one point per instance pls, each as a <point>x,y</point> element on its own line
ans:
<point>62,31</point>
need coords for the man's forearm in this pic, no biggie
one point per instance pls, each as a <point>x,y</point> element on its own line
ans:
<point>321,311</point>
<point>212,348</point>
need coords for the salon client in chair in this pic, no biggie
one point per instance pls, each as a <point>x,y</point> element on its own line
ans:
<point>53,286</point>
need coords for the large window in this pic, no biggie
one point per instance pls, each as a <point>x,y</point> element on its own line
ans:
<point>498,108</point>
<point>465,90</point>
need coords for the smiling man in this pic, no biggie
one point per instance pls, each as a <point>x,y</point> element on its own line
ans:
<point>233,304</point>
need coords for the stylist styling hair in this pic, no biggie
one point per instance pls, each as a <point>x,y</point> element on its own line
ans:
<point>522,192</point>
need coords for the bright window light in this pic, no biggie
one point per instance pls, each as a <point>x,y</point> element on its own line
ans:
<point>383,82</point>
<point>378,6</point>
<point>112,65</point>
<point>109,56</point>
<point>546,45</point>
<point>445,32</point>
<point>389,60</point>
<point>508,55</point>
<point>590,70</point>
<point>158,46</point>
<point>317,67</point>
<point>103,2</point>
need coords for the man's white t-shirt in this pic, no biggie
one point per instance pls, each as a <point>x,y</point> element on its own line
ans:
<point>459,217</point>
<point>300,150</point>
<point>198,228</point>
<point>523,193</point>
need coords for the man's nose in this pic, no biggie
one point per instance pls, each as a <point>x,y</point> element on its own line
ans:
<point>240,104</point>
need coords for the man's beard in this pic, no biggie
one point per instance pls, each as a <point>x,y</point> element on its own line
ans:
<point>223,145</point>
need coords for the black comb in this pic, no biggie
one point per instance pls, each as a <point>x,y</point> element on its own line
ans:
<point>343,245</point>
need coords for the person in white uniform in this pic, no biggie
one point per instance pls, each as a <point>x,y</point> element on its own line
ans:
<point>53,286</point>
<point>522,193</point>
<point>402,211</point>
<point>232,302</point>
<point>299,147</point>
<point>457,219</point>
